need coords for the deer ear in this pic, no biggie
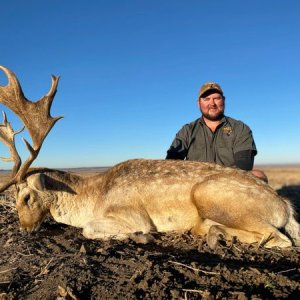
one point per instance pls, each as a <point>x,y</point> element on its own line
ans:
<point>37,181</point>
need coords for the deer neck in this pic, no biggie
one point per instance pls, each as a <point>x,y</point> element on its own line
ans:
<point>77,208</point>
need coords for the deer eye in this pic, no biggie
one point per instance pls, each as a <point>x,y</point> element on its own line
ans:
<point>26,199</point>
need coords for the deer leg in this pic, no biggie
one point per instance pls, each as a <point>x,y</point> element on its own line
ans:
<point>270,237</point>
<point>202,226</point>
<point>121,223</point>
<point>240,212</point>
<point>274,238</point>
<point>108,228</point>
<point>217,231</point>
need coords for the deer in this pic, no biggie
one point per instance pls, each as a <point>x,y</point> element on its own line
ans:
<point>139,197</point>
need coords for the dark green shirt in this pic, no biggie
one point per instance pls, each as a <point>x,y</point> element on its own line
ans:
<point>231,144</point>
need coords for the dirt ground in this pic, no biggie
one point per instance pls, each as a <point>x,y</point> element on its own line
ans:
<point>59,263</point>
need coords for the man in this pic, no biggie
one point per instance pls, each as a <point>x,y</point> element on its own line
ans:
<point>215,137</point>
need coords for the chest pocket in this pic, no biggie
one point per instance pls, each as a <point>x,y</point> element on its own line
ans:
<point>197,146</point>
<point>224,156</point>
<point>224,149</point>
<point>197,152</point>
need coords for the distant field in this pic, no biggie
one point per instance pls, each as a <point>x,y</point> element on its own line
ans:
<point>282,176</point>
<point>279,176</point>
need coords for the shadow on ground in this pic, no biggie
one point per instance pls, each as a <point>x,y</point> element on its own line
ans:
<point>292,192</point>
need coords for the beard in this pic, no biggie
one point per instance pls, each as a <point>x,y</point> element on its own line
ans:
<point>215,117</point>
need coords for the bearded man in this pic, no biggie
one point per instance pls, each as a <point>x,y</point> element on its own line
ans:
<point>215,137</point>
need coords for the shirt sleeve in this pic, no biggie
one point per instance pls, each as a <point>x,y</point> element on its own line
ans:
<point>180,144</point>
<point>244,148</point>
<point>244,159</point>
<point>244,139</point>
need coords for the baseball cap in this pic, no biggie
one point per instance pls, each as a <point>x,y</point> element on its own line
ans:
<point>208,87</point>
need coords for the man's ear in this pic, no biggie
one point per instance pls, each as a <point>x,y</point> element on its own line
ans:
<point>37,181</point>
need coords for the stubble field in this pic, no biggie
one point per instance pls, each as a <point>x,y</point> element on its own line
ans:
<point>59,263</point>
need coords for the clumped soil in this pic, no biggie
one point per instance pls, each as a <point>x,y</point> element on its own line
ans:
<point>59,263</point>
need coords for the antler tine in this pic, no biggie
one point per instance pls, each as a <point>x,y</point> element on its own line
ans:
<point>7,136</point>
<point>35,115</point>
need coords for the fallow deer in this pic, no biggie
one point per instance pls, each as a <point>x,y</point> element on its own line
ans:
<point>137,197</point>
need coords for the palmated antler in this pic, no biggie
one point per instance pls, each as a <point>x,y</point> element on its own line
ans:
<point>35,116</point>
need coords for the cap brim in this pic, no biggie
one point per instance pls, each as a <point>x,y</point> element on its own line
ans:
<point>209,90</point>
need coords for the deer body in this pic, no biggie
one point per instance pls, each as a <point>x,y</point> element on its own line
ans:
<point>160,195</point>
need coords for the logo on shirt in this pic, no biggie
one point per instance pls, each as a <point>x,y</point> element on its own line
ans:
<point>227,130</point>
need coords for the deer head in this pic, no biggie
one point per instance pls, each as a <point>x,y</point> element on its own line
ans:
<point>35,117</point>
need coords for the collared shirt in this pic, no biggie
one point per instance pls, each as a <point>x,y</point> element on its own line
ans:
<point>195,141</point>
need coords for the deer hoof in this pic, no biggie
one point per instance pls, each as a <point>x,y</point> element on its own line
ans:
<point>213,237</point>
<point>141,238</point>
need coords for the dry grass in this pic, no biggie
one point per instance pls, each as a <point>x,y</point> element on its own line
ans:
<point>7,200</point>
<point>283,176</point>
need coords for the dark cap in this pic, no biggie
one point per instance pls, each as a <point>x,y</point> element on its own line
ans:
<point>210,86</point>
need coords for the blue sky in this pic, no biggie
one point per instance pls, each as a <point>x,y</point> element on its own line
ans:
<point>131,70</point>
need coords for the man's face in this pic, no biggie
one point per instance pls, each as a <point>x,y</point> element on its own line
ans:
<point>212,106</point>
